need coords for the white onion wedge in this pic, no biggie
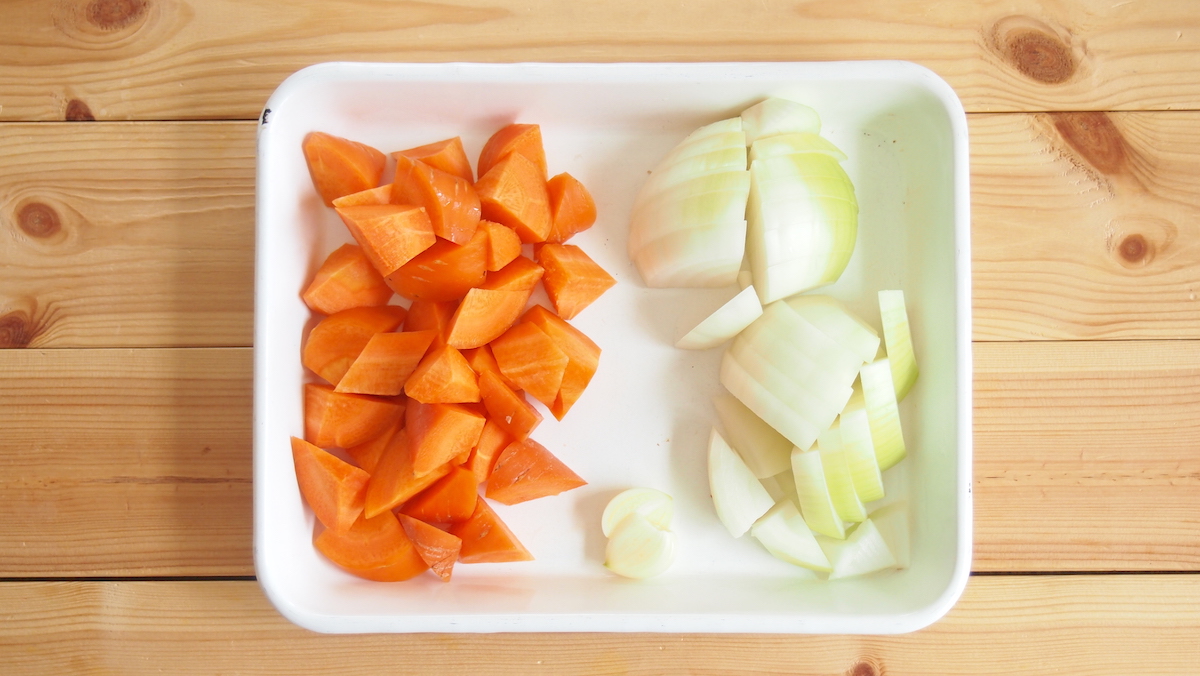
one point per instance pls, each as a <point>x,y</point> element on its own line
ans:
<point>677,173</point>
<point>703,145</point>
<point>703,256</point>
<point>879,397</point>
<point>639,549</point>
<point>837,476</point>
<point>893,524</point>
<point>737,495</point>
<point>725,323</point>
<point>815,502</point>
<point>820,409</point>
<point>778,116</point>
<point>780,330</point>
<point>656,506</point>
<point>766,405</point>
<point>783,532</point>
<point>860,451</point>
<point>726,126</point>
<point>835,320</point>
<point>898,339</point>
<point>765,451</point>
<point>863,551</point>
<point>795,142</point>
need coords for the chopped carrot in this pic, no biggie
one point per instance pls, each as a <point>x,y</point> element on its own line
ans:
<point>386,363</point>
<point>378,195</point>
<point>522,139</point>
<point>450,201</point>
<point>447,155</point>
<point>572,209</point>
<point>483,456</point>
<point>484,315</point>
<point>444,271</point>
<point>583,357</point>
<point>527,470</point>
<point>390,234</point>
<point>440,432</point>
<point>572,280</point>
<point>443,377</point>
<point>521,274</point>
<point>487,539</point>
<point>450,500</point>
<point>345,420</point>
<point>367,454</point>
<point>394,481</point>
<point>503,244</point>
<point>481,359</point>
<point>531,360</point>
<point>346,279</point>
<point>436,547</point>
<point>506,408</point>
<point>373,548</point>
<point>336,341</point>
<point>340,166</point>
<point>513,193</point>
<point>428,315</point>
<point>333,488</point>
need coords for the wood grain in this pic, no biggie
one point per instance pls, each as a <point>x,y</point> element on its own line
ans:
<point>126,234</point>
<point>1003,625</point>
<point>1085,459</point>
<point>174,59</point>
<point>125,462</point>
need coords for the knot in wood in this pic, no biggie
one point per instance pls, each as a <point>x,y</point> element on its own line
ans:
<point>15,330</point>
<point>863,668</point>
<point>38,220</point>
<point>1134,248</point>
<point>78,111</point>
<point>1094,137</point>
<point>1035,49</point>
<point>113,15</point>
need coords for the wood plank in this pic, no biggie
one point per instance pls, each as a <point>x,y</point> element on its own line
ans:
<point>113,59</point>
<point>125,462</point>
<point>127,234</point>
<point>141,459</point>
<point>1083,625</point>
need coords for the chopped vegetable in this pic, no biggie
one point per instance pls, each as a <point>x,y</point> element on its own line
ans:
<point>443,377</point>
<point>393,480</point>
<point>374,548</point>
<point>334,489</point>
<point>527,470</point>
<point>492,441</point>
<point>340,166</point>
<point>725,323</point>
<point>504,245</point>
<point>738,496</point>
<point>440,432</point>
<point>507,408</point>
<point>390,234</point>
<point>898,338</point>
<point>813,490</point>
<point>437,548</point>
<point>522,139</point>
<point>657,507</point>
<point>531,360</point>
<point>639,549</point>
<point>778,116</point>
<point>583,357</point>
<point>344,420</point>
<point>572,280</point>
<point>513,193</point>
<point>785,534</point>
<point>427,315</point>
<point>450,201</point>
<point>863,551</point>
<point>443,272</point>
<point>838,477</point>
<point>386,362</point>
<point>450,500</point>
<point>336,341</point>
<point>447,156</point>
<point>487,539</point>
<point>879,397</point>
<point>346,279</point>
<point>572,209</point>
<point>765,451</point>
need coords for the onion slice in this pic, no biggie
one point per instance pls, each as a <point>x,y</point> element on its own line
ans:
<point>657,507</point>
<point>863,551</point>
<point>838,477</point>
<point>737,495</point>
<point>765,451</point>
<point>860,451</point>
<point>783,532</point>
<point>778,116</point>
<point>725,323</point>
<point>639,549</point>
<point>879,398</point>
<point>815,502</point>
<point>898,338</point>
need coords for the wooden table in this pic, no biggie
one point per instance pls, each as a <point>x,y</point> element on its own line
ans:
<point>126,305</point>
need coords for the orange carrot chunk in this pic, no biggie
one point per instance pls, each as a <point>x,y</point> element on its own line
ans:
<point>572,209</point>
<point>481,359</point>
<point>386,363</point>
<point>367,454</point>
<point>436,547</point>
<point>583,357</point>
<point>440,432</point>
<point>487,539</point>
<point>504,244</point>
<point>450,500</point>
<point>531,360</point>
<point>484,315</point>
<point>443,377</point>
<point>428,315</point>
<point>513,193</point>
<point>447,156</point>
<point>506,408</point>
<point>483,456</point>
<point>521,274</point>
<point>526,470</point>
<point>394,481</point>
<point>572,280</point>
<point>346,279</point>
<point>333,488</point>
<point>450,201</point>
<point>522,139</point>
<point>340,166</point>
<point>336,341</point>
<point>444,271</point>
<point>375,548</point>
<point>345,420</point>
<point>381,194</point>
<point>390,234</point>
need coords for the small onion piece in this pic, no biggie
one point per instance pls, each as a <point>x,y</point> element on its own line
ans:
<point>737,495</point>
<point>656,506</point>
<point>815,502</point>
<point>765,451</point>
<point>783,532</point>
<point>898,339</point>
<point>860,451</point>
<point>702,256</point>
<point>862,551</point>
<point>796,142</point>
<point>835,320</point>
<point>639,549</point>
<point>837,476</point>
<point>725,323</point>
<point>778,116</point>
<point>892,522</point>
<point>879,398</point>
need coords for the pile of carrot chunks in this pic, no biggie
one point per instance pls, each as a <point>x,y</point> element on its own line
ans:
<point>429,401</point>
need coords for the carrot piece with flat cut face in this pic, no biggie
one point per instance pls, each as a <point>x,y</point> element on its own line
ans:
<point>375,548</point>
<point>367,454</point>
<point>481,359</point>
<point>583,357</point>
<point>435,546</point>
<point>438,433</point>
<point>487,539</point>
<point>447,156</point>
<point>572,280</point>
<point>385,364</point>
<point>346,279</point>
<point>394,481</point>
<point>381,194</point>
<point>513,193</point>
<point>492,441</point>
<point>531,360</point>
<point>345,420</point>
<point>444,271</point>
<point>527,470</point>
<point>340,166</point>
<point>485,314</point>
<point>504,245</point>
<point>443,377</point>
<point>428,315</point>
<point>333,488</point>
<point>336,341</point>
<point>506,408</point>
<point>390,234</point>
<point>450,500</point>
<point>522,139</point>
<point>521,274</point>
<point>572,209</point>
<point>450,201</point>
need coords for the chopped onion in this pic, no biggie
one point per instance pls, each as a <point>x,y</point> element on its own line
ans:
<point>656,506</point>
<point>863,551</point>
<point>696,257</point>
<point>738,496</point>
<point>725,323</point>
<point>639,549</point>
<point>727,126</point>
<point>796,142</point>
<point>766,405</point>
<point>690,168</point>
<point>815,502</point>
<point>765,451</point>
<point>778,116</point>
<point>835,320</point>
<point>820,409</point>
<point>898,339</point>
<point>783,532</point>
<point>892,522</point>
<point>860,451</point>
<point>879,397</point>
<point>837,476</point>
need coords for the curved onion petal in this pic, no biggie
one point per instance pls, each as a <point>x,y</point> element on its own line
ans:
<point>863,551</point>
<point>898,339</point>
<point>639,549</point>
<point>656,506</point>
<point>796,142</point>
<point>738,496</point>
<point>693,257</point>
<point>725,323</point>
<point>778,116</point>
<point>783,532</point>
